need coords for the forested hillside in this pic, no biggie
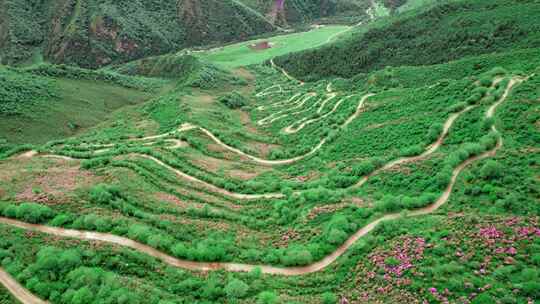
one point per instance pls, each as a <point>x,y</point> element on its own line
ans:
<point>444,33</point>
<point>93,33</point>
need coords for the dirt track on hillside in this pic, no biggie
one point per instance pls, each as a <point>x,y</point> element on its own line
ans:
<point>236,267</point>
<point>17,290</point>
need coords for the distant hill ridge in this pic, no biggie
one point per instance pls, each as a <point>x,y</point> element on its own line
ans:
<point>94,33</point>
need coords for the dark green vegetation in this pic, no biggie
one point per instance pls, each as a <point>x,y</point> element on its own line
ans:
<point>94,33</point>
<point>127,175</point>
<point>49,102</point>
<point>456,29</point>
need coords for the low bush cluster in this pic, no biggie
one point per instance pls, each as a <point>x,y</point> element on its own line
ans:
<point>27,212</point>
<point>233,100</point>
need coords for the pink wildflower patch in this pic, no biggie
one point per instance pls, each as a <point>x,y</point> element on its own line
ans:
<point>404,255</point>
<point>491,232</point>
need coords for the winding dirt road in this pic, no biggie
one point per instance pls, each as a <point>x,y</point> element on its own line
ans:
<point>303,123</point>
<point>282,70</point>
<point>280,114</point>
<point>17,290</point>
<point>430,150</point>
<point>26,297</point>
<point>210,186</point>
<point>236,267</point>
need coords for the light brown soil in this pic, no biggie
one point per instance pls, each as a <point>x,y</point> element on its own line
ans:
<point>316,211</point>
<point>44,183</point>
<point>169,198</point>
<point>244,73</point>
<point>243,174</point>
<point>247,123</point>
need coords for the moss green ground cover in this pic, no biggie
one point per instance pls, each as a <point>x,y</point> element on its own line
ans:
<point>241,55</point>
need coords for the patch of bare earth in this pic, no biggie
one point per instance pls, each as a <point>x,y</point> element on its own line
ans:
<point>264,149</point>
<point>169,198</point>
<point>243,174</point>
<point>229,168</point>
<point>244,73</point>
<point>316,211</point>
<point>312,175</point>
<point>225,153</point>
<point>53,185</point>
<point>205,99</point>
<point>247,123</point>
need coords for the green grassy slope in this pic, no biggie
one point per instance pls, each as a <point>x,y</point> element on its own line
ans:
<point>481,246</point>
<point>46,103</point>
<point>242,55</point>
<point>443,33</point>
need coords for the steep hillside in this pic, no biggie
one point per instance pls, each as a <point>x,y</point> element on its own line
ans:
<point>92,33</point>
<point>208,21</point>
<point>441,34</point>
<point>53,102</point>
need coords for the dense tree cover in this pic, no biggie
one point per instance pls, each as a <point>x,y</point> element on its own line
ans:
<point>19,91</point>
<point>29,212</point>
<point>456,29</point>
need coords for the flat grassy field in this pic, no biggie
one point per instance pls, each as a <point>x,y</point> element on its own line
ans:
<point>240,54</point>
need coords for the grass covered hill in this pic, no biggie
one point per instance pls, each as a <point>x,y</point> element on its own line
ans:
<point>213,177</point>
<point>48,102</point>
<point>446,32</point>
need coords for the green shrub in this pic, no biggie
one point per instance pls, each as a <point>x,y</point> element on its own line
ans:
<point>236,289</point>
<point>103,194</point>
<point>267,297</point>
<point>491,170</point>
<point>458,107</point>
<point>29,212</point>
<point>233,100</point>
<point>329,298</point>
<point>485,82</point>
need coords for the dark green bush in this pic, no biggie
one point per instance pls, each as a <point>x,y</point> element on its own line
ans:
<point>233,100</point>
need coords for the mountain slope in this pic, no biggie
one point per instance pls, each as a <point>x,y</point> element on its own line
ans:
<point>443,33</point>
<point>92,33</point>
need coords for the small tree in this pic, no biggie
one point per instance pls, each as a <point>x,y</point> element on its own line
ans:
<point>233,100</point>
<point>236,289</point>
<point>491,170</point>
<point>329,298</point>
<point>267,297</point>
